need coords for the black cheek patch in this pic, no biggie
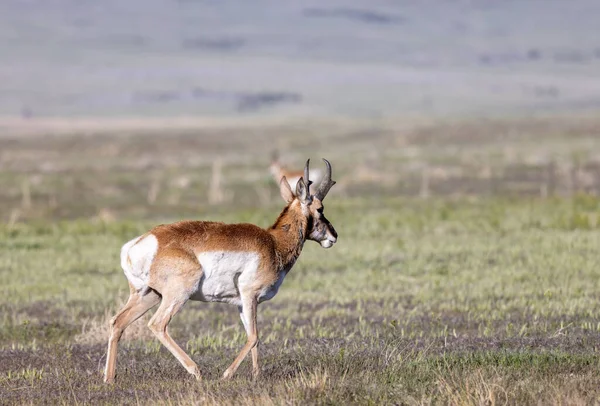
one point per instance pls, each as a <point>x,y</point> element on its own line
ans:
<point>310,224</point>
<point>322,231</point>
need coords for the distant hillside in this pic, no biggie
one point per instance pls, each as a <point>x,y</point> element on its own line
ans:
<point>376,58</point>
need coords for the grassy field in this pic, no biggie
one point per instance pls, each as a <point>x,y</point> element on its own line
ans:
<point>466,270</point>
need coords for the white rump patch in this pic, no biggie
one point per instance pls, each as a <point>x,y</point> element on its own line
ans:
<point>224,273</point>
<point>136,259</point>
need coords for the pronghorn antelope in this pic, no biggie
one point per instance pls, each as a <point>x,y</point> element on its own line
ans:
<point>279,171</point>
<point>241,264</point>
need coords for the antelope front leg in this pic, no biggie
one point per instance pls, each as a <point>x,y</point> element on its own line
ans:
<point>248,315</point>
<point>255,368</point>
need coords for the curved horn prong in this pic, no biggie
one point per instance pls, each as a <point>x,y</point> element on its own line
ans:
<point>326,183</point>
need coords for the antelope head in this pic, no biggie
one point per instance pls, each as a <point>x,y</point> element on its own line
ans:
<point>318,228</point>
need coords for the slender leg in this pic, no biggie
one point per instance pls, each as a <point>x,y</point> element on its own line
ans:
<point>249,313</point>
<point>255,368</point>
<point>158,324</point>
<point>136,307</point>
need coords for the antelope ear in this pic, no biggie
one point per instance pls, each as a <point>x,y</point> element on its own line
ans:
<point>286,190</point>
<point>302,191</point>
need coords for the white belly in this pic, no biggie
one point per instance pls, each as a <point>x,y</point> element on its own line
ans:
<point>224,274</point>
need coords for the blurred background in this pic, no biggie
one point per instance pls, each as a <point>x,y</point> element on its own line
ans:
<point>64,58</point>
<point>161,105</point>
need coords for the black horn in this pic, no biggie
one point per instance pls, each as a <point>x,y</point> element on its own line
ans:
<point>326,183</point>
<point>306,180</point>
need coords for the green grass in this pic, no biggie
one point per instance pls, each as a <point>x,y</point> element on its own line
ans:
<point>457,301</point>
<point>484,293</point>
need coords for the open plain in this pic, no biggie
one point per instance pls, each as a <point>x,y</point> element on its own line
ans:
<point>466,270</point>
